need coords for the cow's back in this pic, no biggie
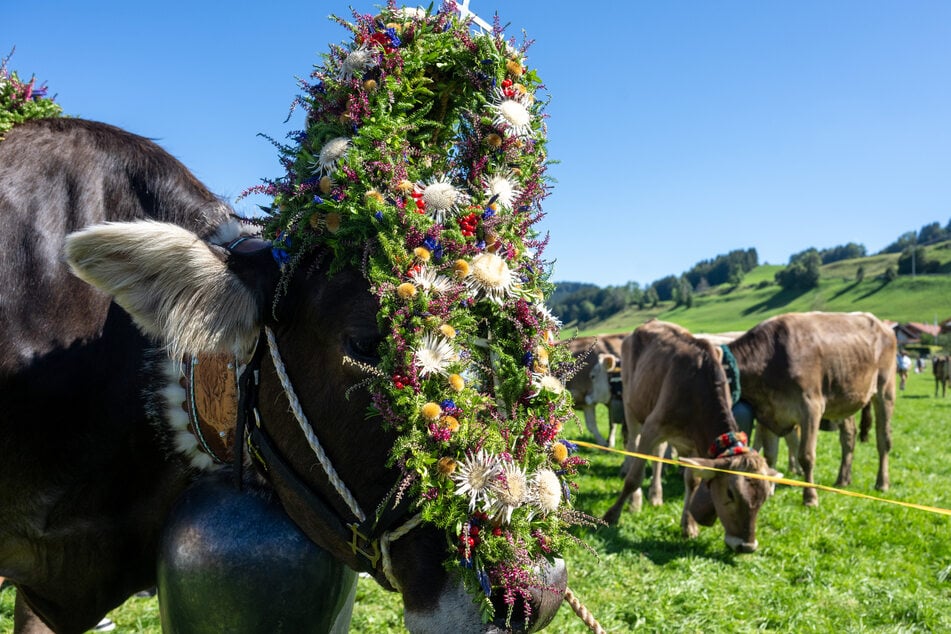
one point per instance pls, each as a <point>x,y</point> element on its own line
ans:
<point>844,358</point>
<point>58,176</point>
<point>660,363</point>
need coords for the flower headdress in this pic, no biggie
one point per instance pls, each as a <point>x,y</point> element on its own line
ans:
<point>20,101</point>
<point>423,163</point>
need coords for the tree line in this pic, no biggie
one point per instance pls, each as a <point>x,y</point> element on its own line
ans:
<point>581,302</point>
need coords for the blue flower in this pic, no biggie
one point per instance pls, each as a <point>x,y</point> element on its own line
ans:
<point>448,404</point>
<point>318,200</point>
<point>394,38</point>
<point>480,245</point>
<point>379,216</point>
<point>570,446</point>
<point>430,243</point>
<point>528,358</point>
<point>484,582</point>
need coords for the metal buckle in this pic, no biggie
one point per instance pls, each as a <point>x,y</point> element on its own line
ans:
<point>361,548</point>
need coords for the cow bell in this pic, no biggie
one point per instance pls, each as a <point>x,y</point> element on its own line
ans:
<point>233,561</point>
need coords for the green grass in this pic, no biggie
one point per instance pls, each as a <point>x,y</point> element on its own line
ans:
<point>850,565</point>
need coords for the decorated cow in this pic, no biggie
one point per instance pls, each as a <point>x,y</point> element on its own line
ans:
<point>398,378</point>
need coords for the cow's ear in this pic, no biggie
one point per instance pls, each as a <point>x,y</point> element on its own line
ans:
<point>189,294</point>
<point>608,361</point>
<point>702,472</point>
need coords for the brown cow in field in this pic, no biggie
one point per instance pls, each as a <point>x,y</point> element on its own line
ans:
<point>942,374</point>
<point>596,356</point>
<point>799,368</point>
<point>676,390</point>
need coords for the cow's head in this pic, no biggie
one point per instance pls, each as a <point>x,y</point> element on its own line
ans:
<point>733,498</point>
<point>194,296</point>
<point>600,391</point>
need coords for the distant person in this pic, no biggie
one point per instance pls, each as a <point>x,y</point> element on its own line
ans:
<point>904,364</point>
<point>919,364</point>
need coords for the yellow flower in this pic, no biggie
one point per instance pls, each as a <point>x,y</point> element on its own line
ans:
<point>374,196</point>
<point>326,184</point>
<point>461,268</point>
<point>456,382</point>
<point>406,290</point>
<point>448,331</point>
<point>559,452</point>
<point>404,187</point>
<point>541,355</point>
<point>333,222</point>
<point>431,411</point>
<point>514,67</point>
<point>369,85</point>
<point>449,422</point>
<point>445,466</point>
<point>422,253</point>
<point>493,140</point>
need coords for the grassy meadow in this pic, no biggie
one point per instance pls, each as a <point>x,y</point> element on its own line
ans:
<point>850,565</point>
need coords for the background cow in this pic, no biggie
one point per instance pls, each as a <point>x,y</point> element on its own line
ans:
<point>675,390</point>
<point>941,366</point>
<point>596,358</point>
<point>798,368</point>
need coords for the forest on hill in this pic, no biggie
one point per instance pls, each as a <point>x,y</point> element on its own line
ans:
<point>909,280</point>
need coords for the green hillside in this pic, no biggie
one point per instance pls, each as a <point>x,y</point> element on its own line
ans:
<point>922,298</point>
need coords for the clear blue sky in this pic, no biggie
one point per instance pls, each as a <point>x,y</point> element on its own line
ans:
<point>684,129</point>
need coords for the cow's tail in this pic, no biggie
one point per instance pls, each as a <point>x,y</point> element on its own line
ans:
<point>866,423</point>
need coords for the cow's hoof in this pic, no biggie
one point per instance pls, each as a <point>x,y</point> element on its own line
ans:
<point>810,497</point>
<point>690,531</point>
<point>656,500</point>
<point>613,515</point>
<point>882,486</point>
<point>637,501</point>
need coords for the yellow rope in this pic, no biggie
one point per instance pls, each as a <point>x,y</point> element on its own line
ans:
<point>759,476</point>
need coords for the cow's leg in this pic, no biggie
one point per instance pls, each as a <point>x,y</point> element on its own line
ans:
<point>792,448</point>
<point>656,493</point>
<point>688,525</point>
<point>768,442</point>
<point>612,428</point>
<point>884,405</point>
<point>591,422</point>
<point>640,443</point>
<point>847,442</point>
<point>25,620</point>
<point>809,428</point>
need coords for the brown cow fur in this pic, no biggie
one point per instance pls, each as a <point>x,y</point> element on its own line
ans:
<point>675,390</point>
<point>798,368</point>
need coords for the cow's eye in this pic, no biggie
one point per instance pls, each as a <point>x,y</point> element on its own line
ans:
<point>364,348</point>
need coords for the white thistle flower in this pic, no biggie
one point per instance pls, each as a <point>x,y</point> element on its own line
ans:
<point>509,491</point>
<point>544,491</point>
<point>502,189</point>
<point>428,279</point>
<point>512,114</point>
<point>548,383</point>
<point>434,355</point>
<point>490,277</point>
<point>357,61</point>
<point>330,154</point>
<point>474,477</point>
<point>442,199</point>
<point>546,315</point>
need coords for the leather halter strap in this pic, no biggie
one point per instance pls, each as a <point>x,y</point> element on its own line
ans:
<point>368,538</point>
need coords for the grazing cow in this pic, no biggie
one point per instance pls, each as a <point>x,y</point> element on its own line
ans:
<point>676,390</point>
<point>941,366</point>
<point>596,358</point>
<point>799,368</point>
<point>89,463</point>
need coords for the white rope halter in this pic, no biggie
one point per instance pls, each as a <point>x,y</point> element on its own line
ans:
<point>386,538</point>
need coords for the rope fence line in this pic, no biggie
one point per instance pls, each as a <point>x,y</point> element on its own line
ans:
<point>759,476</point>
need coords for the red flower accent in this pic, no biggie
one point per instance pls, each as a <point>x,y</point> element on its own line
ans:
<point>468,224</point>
